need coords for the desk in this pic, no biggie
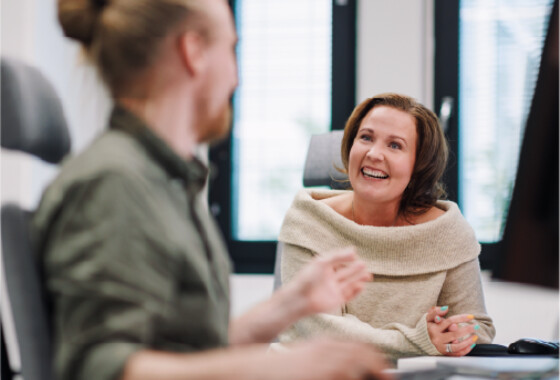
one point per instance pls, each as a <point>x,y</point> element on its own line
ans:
<point>472,368</point>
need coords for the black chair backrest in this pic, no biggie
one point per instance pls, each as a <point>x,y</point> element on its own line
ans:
<point>32,117</point>
<point>27,300</point>
<point>32,122</point>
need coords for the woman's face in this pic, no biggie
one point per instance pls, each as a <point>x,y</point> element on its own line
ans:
<point>382,156</point>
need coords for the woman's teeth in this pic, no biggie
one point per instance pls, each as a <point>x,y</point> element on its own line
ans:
<point>374,174</point>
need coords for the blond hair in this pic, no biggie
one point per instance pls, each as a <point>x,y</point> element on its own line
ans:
<point>123,37</point>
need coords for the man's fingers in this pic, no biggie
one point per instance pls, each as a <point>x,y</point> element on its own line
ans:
<point>376,363</point>
<point>353,272</point>
<point>352,280</point>
<point>340,258</point>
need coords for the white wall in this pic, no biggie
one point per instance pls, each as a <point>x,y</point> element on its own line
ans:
<point>521,311</point>
<point>30,33</point>
<point>395,48</point>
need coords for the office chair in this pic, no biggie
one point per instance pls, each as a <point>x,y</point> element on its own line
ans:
<point>321,169</point>
<point>33,122</point>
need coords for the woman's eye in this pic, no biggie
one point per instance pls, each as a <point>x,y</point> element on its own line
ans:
<point>395,145</point>
<point>365,138</point>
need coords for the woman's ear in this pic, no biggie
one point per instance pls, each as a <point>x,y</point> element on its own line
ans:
<point>192,50</point>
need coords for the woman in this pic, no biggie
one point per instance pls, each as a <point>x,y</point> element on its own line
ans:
<point>422,252</point>
<point>134,265</point>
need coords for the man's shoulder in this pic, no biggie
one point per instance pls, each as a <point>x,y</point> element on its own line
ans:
<point>112,160</point>
<point>113,151</point>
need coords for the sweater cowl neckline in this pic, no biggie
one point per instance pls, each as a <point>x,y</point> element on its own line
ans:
<point>437,245</point>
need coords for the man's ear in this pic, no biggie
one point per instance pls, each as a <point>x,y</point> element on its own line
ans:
<point>192,49</point>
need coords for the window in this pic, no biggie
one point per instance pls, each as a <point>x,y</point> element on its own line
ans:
<point>500,49</point>
<point>286,89</point>
<point>487,58</point>
<point>283,98</point>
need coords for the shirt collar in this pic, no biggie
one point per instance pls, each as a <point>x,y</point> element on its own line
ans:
<point>193,172</point>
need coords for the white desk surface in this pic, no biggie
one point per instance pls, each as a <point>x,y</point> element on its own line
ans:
<point>512,367</point>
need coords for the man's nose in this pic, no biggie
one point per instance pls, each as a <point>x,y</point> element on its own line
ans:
<point>236,75</point>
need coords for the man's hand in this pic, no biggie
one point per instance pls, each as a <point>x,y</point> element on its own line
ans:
<point>323,359</point>
<point>330,281</point>
<point>327,359</point>
<point>325,283</point>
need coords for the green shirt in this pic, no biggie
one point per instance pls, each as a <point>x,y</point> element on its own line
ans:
<point>132,260</point>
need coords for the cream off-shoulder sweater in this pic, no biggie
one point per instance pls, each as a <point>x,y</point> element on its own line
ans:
<point>415,267</point>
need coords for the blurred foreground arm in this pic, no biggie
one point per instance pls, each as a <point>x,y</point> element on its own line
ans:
<point>324,284</point>
<point>320,360</point>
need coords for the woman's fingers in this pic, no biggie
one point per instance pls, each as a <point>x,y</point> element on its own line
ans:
<point>436,313</point>
<point>455,319</point>
<point>453,336</point>
<point>432,313</point>
<point>461,348</point>
<point>460,318</point>
<point>461,333</point>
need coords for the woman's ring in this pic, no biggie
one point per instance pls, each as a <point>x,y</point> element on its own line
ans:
<point>448,348</point>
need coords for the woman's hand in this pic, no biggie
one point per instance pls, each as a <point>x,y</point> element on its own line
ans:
<point>330,281</point>
<point>436,314</point>
<point>453,336</point>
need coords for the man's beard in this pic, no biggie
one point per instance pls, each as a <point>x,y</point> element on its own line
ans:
<point>218,128</point>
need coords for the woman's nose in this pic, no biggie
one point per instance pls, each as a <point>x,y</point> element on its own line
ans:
<point>375,153</point>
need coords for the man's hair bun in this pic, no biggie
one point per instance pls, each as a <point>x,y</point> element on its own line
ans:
<point>79,18</point>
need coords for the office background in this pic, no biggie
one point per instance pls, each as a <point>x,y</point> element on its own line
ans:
<point>394,51</point>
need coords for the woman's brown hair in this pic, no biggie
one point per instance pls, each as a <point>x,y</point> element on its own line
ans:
<point>425,186</point>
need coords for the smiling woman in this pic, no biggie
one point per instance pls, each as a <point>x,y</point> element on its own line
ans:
<point>408,130</point>
<point>426,298</point>
<point>381,163</point>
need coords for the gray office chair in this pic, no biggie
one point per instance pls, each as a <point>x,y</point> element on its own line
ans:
<point>321,169</point>
<point>32,122</point>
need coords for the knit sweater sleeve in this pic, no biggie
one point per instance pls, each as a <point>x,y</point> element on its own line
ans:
<point>395,339</point>
<point>462,292</point>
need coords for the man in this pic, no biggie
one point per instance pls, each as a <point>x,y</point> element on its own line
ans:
<point>135,267</point>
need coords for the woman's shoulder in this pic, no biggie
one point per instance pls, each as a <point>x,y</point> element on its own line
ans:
<point>321,196</point>
<point>310,204</point>
<point>431,214</point>
<point>337,201</point>
<point>442,208</point>
<point>311,221</point>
